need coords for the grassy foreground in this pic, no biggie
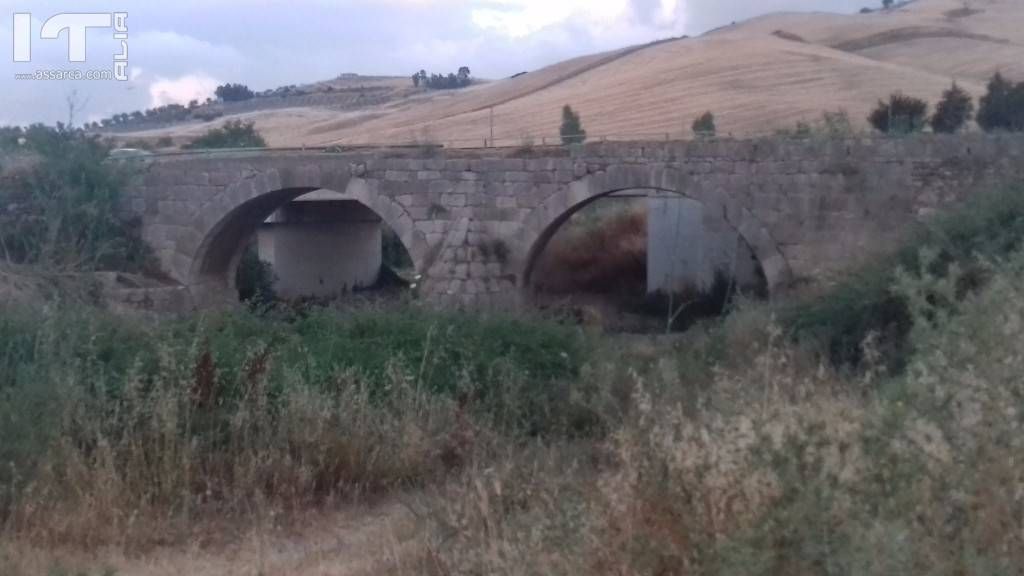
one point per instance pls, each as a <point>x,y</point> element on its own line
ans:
<point>876,429</point>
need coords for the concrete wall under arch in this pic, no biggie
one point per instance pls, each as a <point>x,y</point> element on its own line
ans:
<point>322,247</point>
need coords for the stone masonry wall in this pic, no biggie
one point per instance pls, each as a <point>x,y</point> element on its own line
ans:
<point>474,220</point>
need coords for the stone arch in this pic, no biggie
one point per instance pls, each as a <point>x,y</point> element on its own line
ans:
<point>544,220</point>
<point>229,219</point>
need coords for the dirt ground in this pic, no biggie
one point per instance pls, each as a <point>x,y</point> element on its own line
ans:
<point>353,540</point>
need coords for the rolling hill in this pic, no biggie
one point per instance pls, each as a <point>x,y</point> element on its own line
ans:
<point>757,76</point>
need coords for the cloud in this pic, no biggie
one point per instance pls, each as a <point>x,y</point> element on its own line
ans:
<point>181,90</point>
<point>520,18</point>
<point>179,48</point>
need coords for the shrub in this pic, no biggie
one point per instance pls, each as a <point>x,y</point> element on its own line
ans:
<point>864,304</point>
<point>255,279</point>
<point>234,134</point>
<point>606,255</point>
<point>831,125</point>
<point>114,428</point>
<point>837,124</point>
<point>954,111</point>
<point>778,467</point>
<point>704,125</point>
<point>572,128</point>
<point>1002,106</point>
<point>61,208</point>
<point>900,115</point>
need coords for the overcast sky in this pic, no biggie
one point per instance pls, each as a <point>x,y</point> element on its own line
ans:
<point>182,49</point>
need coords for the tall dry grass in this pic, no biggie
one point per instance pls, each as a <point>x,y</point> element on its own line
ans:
<point>130,435</point>
<point>781,466</point>
<point>603,254</point>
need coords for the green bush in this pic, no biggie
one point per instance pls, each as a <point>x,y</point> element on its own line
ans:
<point>62,205</point>
<point>779,467</point>
<point>233,134</point>
<point>1002,106</point>
<point>572,131</point>
<point>900,115</point>
<point>239,407</point>
<point>864,303</point>
<point>704,125</point>
<point>255,279</point>
<point>954,111</point>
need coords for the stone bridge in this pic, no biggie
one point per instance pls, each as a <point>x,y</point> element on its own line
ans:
<point>474,221</point>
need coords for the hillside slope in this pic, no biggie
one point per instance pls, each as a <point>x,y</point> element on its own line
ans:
<point>757,77</point>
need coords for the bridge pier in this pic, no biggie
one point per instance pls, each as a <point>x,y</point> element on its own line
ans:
<point>322,248</point>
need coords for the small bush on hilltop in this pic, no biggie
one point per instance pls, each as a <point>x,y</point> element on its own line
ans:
<point>954,111</point>
<point>704,125</point>
<point>572,127</point>
<point>832,125</point>
<point>900,115</point>
<point>233,134</point>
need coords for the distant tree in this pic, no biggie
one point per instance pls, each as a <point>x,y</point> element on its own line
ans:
<point>704,125</point>
<point>888,3</point>
<point>1002,106</point>
<point>416,79</point>
<point>234,93</point>
<point>572,127</point>
<point>900,115</point>
<point>450,81</point>
<point>193,104</point>
<point>234,134</point>
<point>954,111</point>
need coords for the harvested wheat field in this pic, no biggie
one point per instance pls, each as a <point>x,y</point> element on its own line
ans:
<point>757,77</point>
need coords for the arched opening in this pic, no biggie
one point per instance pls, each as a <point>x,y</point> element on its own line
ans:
<point>304,244</point>
<point>642,260</point>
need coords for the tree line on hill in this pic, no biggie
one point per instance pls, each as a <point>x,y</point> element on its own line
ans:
<point>452,81</point>
<point>1001,109</point>
<point>196,110</point>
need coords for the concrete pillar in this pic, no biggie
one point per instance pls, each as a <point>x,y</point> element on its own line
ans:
<point>322,248</point>
<point>687,245</point>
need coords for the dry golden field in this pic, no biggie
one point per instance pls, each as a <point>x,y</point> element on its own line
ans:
<point>757,77</point>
